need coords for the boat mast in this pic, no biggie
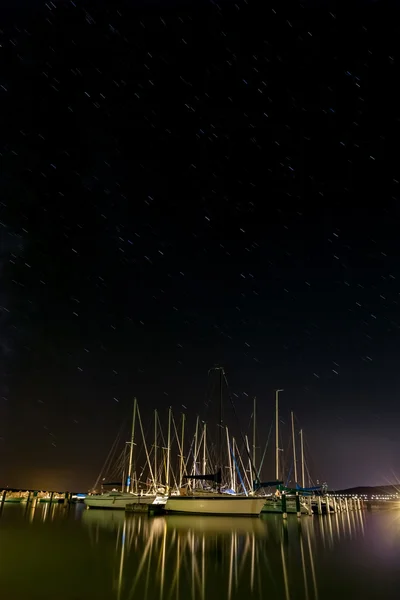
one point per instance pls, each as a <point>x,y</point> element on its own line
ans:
<point>195,450</point>
<point>204,446</point>
<point>155,449</point>
<point>168,448</point>
<point>294,448</point>
<point>129,478</point>
<point>302,458</point>
<point>234,465</point>
<point>277,433</point>
<point>230,458</point>
<point>182,440</point>
<point>250,465</point>
<point>219,450</point>
<point>254,435</point>
<point>124,467</point>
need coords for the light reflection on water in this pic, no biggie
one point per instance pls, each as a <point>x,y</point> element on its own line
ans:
<point>76,553</point>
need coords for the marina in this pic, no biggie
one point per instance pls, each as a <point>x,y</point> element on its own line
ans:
<point>199,306</point>
<point>213,472</point>
<point>208,478</point>
<point>95,554</point>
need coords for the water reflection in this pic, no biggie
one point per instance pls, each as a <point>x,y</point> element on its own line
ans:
<point>180,556</point>
<point>120,557</point>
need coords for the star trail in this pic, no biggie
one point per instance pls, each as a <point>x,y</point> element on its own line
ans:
<point>193,184</point>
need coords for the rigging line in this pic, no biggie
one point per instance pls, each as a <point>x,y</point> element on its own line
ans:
<point>178,441</point>
<point>286,455</point>
<point>266,447</point>
<point>289,475</point>
<point>145,445</point>
<point>241,433</point>
<point>110,454</point>
<point>238,471</point>
<point>307,460</point>
<point>308,453</point>
<point>164,445</point>
<point>310,481</point>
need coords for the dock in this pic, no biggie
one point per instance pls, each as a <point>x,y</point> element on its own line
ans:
<point>33,497</point>
<point>315,505</point>
<point>144,509</point>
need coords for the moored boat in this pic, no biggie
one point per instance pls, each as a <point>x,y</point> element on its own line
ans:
<point>216,504</point>
<point>119,500</point>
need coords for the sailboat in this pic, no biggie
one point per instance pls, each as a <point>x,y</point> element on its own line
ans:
<point>274,505</point>
<point>215,502</point>
<point>119,499</point>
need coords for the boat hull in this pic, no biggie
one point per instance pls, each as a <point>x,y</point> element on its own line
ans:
<point>215,505</point>
<point>117,502</point>
<point>15,500</point>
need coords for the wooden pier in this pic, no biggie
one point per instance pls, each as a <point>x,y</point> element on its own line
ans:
<point>33,497</point>
<point>318,505</point>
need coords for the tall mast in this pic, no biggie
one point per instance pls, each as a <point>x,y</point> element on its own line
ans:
<point>234,465</point>
<point>182,440</point>
<point>250,465</point>
<point>195,450</point>
<point>277,433</point>
<point>302,458</point>
<point>219,449</point>
<point>294,448</point>
<point>230,458</point>
<point>124,467</point>
<point>129,479</point>
<point>254,435</point>
<point>204,446</point>
<point>169,447</point>
<point>155,449</point>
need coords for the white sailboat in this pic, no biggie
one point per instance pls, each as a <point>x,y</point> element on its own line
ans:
<point>119,499</point>
<point>215,503</point>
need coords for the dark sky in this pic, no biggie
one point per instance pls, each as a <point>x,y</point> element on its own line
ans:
<point>197,184</point>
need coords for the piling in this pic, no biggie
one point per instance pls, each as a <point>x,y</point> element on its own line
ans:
<point>334,504</point>
<point>28,501</point>
<point>284,511</point>
<point>319,505</point>
<point>298,508</point>
<point>34,500</point>
<point>51,498</point>
<point>358,504</point>
<point>346,504</point>
<point>3,499</point>
<point>310,511</point>
<point>66,500</point>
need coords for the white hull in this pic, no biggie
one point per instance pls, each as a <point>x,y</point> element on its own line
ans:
<point>117,501</point>
<point>216,505</point>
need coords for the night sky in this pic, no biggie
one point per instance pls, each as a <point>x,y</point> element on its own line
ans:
<point>189,185</point>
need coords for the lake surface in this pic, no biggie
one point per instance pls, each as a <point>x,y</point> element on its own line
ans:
<point>75,554</point>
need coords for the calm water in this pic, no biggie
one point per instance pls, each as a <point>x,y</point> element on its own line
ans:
<point>76,554</point>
